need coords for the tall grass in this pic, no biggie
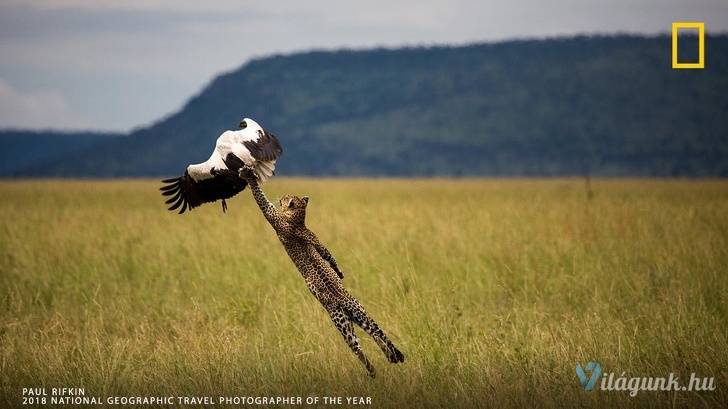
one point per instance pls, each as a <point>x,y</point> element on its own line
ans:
<point>494,290</point>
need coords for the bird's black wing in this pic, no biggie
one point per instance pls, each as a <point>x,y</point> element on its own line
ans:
<point>187,193</point>
<point>265,148</point>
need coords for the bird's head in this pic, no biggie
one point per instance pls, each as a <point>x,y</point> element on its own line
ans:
<point>294,208</point>
<point>248,125</point>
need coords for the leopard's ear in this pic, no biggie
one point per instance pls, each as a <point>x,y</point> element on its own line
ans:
<point>305,200</point>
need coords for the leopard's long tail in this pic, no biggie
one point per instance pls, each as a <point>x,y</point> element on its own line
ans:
<point>362,319</point>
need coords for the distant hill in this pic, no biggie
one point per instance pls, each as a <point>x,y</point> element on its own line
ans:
<point>604,105</point>
<point>26,151</point>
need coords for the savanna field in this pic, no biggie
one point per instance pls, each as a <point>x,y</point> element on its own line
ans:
<point>493,289</point>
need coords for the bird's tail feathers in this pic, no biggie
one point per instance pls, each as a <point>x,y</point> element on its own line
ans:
<point>264,170</point>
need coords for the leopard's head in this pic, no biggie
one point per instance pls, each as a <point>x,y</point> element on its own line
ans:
<point>294,207</point>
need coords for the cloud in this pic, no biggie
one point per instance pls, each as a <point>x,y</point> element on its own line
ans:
<point>124,63</point>
<point>36,110</point>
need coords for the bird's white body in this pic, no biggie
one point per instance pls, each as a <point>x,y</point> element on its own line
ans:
<point>217,178</point>
<point>233,142</point>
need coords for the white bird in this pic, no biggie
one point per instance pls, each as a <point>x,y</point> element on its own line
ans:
<point>217,177</point>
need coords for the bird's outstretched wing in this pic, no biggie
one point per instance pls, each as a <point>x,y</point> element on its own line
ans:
<point>259,149</point>
<point>265,147</point>
<point>187,193</point>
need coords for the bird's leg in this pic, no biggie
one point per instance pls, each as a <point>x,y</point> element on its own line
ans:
<point>224,206</point>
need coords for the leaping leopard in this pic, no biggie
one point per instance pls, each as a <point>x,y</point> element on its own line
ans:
<point>320,271</point>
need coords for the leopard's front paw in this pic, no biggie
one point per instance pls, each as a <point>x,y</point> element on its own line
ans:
<point>247,172</point>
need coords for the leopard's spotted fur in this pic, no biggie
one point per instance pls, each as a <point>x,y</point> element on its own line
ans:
<point>320,271</point>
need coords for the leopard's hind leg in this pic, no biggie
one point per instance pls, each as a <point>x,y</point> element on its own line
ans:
<point>357,314</point>
<point>343,324</point>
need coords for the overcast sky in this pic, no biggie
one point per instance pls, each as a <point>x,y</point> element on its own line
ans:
<point>116,65</point>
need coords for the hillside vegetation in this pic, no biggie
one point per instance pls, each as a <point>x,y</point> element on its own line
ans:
<point>34,151</point>
<point>568,106</point>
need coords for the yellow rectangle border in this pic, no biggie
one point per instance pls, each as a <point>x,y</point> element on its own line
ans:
<point>676,26</point>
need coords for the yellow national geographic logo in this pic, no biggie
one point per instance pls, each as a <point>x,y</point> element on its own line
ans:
<point>677,26</point>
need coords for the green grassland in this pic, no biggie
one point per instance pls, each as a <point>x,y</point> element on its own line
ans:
<point>494,290</point>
